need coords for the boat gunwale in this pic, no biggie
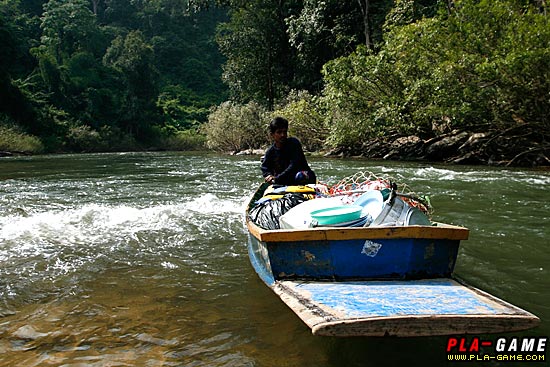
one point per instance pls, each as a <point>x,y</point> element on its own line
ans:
<point>438,231</point>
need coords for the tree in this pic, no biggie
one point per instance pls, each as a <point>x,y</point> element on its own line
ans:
<point>365,9</point>
<point>63,91</point>
<point>326,29</point>
<point>13,102</point>
<point>483,66</point>
<point>133,57</point>
<point>320,32</point>
<point>260,63</point>
<point>122,14</point>
<point>182,108</point>
<point>406,12</point>
<point>68,26</point>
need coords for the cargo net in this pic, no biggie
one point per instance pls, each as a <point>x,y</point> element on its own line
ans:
<point>361,182</point>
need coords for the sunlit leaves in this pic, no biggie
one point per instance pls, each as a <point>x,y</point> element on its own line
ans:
<point>67,26</point>
<point>233,127</point>
<point>307,121</point>
<point>484,65</point>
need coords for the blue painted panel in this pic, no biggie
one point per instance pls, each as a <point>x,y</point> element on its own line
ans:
<point>433,257</point>
<point>361,259</point>
<point>394,298</point>
<point>311,259</point>
<point>371,258</point>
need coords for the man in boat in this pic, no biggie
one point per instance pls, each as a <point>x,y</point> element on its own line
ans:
<point>284,162</point>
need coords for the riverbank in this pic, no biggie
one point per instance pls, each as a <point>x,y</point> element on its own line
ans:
<point>493,148</point>
<point>517,147</point>
<point>11,154</point>
<point>457,147</point>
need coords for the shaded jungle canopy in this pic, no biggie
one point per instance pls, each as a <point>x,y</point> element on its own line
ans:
<point>464,81</point>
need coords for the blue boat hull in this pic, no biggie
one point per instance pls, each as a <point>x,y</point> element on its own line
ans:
<point>401,258</point>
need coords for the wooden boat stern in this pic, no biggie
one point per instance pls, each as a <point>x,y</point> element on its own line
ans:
<point>400,308</point>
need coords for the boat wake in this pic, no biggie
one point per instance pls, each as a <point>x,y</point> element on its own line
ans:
<point>50,245</point>
<point>89,223</point>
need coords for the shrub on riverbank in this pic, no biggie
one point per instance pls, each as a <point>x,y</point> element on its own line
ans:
<point>13,139</point>
<point>184,140</point>
<point>82,138</point>
<point>306,119</point>
<point>233,127</point>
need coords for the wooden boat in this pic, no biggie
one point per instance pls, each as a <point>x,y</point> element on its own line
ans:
<point>377,281</point>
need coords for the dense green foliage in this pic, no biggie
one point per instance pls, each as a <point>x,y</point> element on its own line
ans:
<point>273,47</point>
<point>485,65</point>
<point>84,75</point>
<point>108,75</point>
<point>422,68</point>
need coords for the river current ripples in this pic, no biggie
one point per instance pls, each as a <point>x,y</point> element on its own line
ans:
<point>139,259</point>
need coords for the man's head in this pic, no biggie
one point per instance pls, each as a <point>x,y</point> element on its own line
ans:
<point>278,123</point>
<point>278,127</point>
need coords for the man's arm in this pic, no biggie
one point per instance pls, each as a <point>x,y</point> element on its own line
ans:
<point>267,164</point>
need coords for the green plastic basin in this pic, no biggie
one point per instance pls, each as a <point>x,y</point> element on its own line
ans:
<point>337,214</point>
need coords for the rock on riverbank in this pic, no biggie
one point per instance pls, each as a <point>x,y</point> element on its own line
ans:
<point>459,147</point>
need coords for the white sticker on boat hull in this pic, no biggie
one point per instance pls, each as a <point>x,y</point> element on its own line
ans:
<point>371,248</point>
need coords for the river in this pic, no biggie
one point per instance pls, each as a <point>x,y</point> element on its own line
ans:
<point>139,259</point>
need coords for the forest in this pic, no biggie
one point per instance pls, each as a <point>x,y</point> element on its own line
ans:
<point>463,81</point>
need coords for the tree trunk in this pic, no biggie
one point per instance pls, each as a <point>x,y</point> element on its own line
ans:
<point>364,5</point>
<point>270,89</point>
<point>95,5</point>
<point>542,6</point>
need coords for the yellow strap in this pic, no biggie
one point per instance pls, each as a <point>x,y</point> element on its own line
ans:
<point>300,189</point>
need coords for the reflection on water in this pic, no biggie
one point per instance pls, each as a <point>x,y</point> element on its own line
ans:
<point>140,260</point>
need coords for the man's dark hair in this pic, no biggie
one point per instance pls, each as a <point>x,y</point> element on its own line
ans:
<point>278,123</point>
